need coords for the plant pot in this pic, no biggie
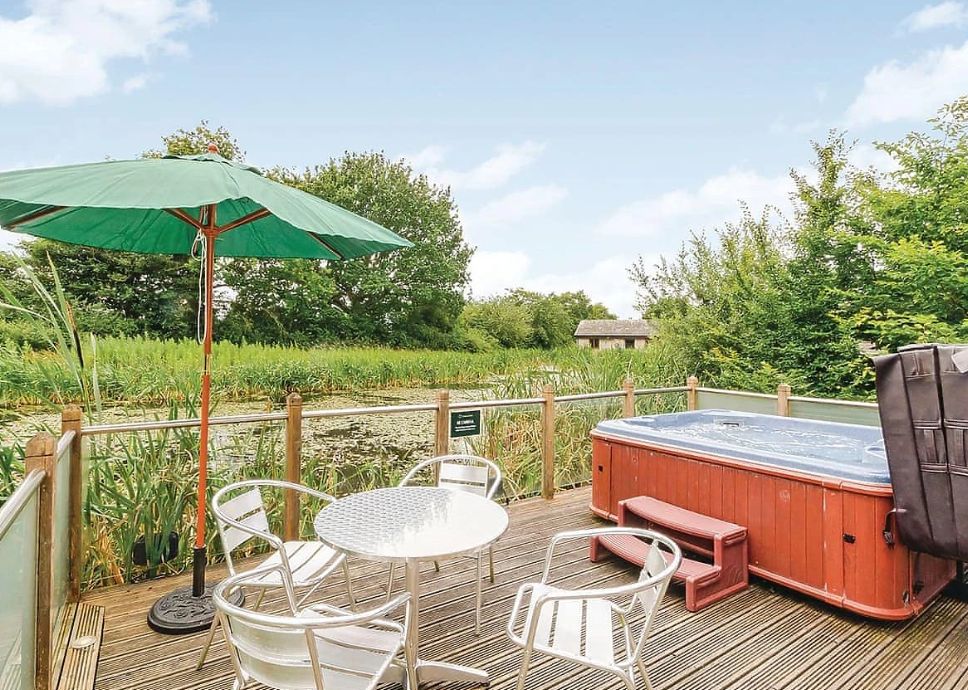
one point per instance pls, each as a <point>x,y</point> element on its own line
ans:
<point>139,553</point>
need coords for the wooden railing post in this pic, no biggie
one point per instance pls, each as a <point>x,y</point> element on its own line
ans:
<point>548,442</point>
<point>442,424</point>
<point>294,405</point>
<point>692,395</point>
<point>783,400</point>
<point>71,421</point>
<point>40,456</point>
<point>629,402</point>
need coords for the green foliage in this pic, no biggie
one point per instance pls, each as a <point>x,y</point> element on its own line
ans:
<point>405,298</point>
<point>523,318</point>
<point>503,321</point>
<point>868,258</point>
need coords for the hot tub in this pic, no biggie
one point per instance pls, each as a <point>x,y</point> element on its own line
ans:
<point>814,497</point>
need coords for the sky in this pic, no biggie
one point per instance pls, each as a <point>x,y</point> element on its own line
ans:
<point>576,136</point>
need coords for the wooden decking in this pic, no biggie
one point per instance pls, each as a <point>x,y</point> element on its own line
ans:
<point>763,639</point>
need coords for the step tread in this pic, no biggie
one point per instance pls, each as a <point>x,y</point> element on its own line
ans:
<point>634,550</point>
<point>682,520</point>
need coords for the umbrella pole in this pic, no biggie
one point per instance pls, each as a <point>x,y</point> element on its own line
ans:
<point>190,609</point>
<point>200,557</point>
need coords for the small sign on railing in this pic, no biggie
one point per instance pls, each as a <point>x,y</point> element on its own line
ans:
<point>465,423</point>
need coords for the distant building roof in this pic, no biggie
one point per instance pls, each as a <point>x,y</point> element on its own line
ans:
<point>615,328</point>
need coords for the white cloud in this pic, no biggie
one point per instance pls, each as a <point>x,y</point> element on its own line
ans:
<point>429,157</point>
<point>508,160</point>
<point>605,280</point>
<point>936,16</point>
<point>517,206</point>
<point>715,201</point>
<point>494,272</point>
<point>866,156</point>
<point>895,91</point>
<point>61,50</point>
<point>9,240</point>
<point>135,83</point>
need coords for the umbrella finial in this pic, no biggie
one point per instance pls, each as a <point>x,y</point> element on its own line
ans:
<point>212,148</point>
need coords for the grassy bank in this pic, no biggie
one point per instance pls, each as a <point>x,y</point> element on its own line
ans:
<point>142,371</point>
<point>153,372</point>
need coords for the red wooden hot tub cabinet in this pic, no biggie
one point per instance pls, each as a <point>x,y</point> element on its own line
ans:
<point>821,536</point>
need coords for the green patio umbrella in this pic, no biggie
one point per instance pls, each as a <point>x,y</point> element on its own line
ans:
<point>175,205</point>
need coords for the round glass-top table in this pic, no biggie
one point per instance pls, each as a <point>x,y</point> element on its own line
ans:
<point>410,524</point>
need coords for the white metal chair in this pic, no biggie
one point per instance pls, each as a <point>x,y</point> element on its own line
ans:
<point>580,624</point>
<point>241,516</point>
<point>320,647</point>
<point>469,473</point>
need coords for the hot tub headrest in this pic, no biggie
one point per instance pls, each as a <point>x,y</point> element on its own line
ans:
<point>922,392</point>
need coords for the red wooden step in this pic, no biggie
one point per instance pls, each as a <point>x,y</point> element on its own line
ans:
<point>681,520</point>
<point>722,542</point>
<point>634,550</point>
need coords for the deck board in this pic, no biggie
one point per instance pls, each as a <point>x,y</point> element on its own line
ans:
<point>764,638</point>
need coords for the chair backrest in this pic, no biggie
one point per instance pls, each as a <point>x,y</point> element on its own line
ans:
<point>297,652</point>
<point>240,515</point>
<point>660,565</point>
<point>469,473</point>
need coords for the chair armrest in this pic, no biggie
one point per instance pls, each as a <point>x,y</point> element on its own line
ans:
<point>607,531</point>
<point>341,617</point>
<point>516,608</point>
<point>301,488</point>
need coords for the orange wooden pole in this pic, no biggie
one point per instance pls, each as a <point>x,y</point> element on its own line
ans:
<point>210,232</point>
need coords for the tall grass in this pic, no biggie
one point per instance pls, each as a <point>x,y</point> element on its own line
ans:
<point>154,372</point>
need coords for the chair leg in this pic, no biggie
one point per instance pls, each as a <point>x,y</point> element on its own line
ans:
<point>390,580</point>
<point>258,602</point>
<point>477,590</point>
<point>490,558</point>
<point>525,662</point>
<point>437,566</point>
<point>644,673</point>
<point>349,584</point>
<point>208,643</point>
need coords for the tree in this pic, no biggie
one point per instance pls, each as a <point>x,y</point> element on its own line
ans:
<point>868,257</point>
<point>281,302</point>
<point>502,321</point>
<point>523,318</point>
<point>406,297</point>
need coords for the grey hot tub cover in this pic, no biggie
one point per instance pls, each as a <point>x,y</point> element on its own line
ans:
<point>923,398</point>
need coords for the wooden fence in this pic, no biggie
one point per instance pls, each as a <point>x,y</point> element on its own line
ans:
<point>40,543</point>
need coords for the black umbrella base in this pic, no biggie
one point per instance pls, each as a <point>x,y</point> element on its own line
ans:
<point>180,613</point>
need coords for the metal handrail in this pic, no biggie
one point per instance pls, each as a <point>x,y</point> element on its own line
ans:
<point>382,409</point>
<point>657,391</point>
<point>101,429</point>
<point>63,445</point>
<point>501,402</point>
<point>742,394</point>
<point>834,401</point>
<point>18,499</point>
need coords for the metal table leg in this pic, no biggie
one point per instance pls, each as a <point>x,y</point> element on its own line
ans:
<point>432,671</point>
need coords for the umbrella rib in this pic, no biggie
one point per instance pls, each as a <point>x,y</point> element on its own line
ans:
<point>247,218</point>
<point>34,215</point>
<point>325,244</point>
<point>182,216</point>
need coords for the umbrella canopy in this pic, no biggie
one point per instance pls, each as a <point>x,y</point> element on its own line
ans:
<point>171,205</point>
<point>155,206</point>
